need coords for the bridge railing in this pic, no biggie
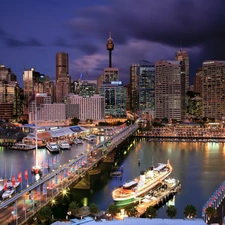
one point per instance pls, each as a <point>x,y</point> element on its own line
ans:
<point>115,140</point>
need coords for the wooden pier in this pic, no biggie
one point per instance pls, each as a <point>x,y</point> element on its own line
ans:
<point>159,197</point>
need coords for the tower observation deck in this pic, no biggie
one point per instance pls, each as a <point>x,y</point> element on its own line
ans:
<point>110,47</point>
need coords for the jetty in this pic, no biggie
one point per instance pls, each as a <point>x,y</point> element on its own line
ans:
<point>162,194</point>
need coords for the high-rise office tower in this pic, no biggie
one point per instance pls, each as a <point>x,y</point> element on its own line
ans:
<point>63,80</point>
<point>168,89</point>
<point>146,74</point>
<point>134,88</point>
<point>110,47</point>
<point>213,89</point>
<point>100,80</point>
<point>114,94</point>
<point>10,101</point>
<point>198,81</point>
<point>88,89</point>
<point>62,64</point>
<point>183,57</point>
<point>6,74</point>
<point>111,74</point>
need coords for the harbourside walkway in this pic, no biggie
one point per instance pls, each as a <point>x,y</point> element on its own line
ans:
<point>53,184</point>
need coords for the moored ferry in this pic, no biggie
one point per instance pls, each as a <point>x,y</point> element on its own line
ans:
<point>130,192</point>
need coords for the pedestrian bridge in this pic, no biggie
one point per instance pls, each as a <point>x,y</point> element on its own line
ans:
<point>58,181</point>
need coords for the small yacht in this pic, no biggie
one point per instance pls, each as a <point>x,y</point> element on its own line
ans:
<point>64,145</point>
<point>9,183</point>
<point>22,146</point>
<point>8,193</point>
<point>53,147</point>
<point>78,141</point>
<point>91,138</point>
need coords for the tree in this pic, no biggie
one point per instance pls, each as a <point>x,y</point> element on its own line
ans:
<point>45,214</point>
<point>93,208</point>
<point>112,209</point>
<point>190,211</point>
<point>210,212</point>
<point>73,208</point>
<point>171,211</point>
<point>74,121</point>
<point>151,212</point>
<point>131,211</point>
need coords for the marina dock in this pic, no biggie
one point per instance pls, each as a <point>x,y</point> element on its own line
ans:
<point>161,195</point>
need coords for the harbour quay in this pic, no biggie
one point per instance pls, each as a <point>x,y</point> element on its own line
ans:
<point>161,194</point>
<point>58,181</point>
<point>183,134</point>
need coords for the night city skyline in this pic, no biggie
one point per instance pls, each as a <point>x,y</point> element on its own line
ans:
<point>31,33</point>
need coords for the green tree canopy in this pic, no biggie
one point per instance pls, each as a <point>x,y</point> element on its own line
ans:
<point>190,211</point>
<point>93,208</point>
<point>74,121</point>
<point>131,211</point>
<point>73,208</point>
<point>151,212</point>
<point>112,209</point>
<point>210,212</point>
<point>171,211</point>
<point>45,214</point>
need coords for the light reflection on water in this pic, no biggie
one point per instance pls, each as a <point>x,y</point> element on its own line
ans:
<point>198,166</point>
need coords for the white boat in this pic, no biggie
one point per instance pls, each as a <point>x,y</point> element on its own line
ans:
<point>131,192</point>
<point>91,138</point>
<point>9,183</point>
<point>78,141</point>
<point>8,193</point>
<point>53,147</point>
<point>64,145</point>
<point>22,146</point>
<point>1,188</point>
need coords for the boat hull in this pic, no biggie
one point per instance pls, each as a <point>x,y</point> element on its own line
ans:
<point>131,192</point>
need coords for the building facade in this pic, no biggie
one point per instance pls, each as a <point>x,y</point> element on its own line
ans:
<point>10,101</point>
<point>90,108</point>
<point>168,89</point>
<point>198,81</point>
<point>63,80</point>
<point>134,88</point>
<point>146,74</point>
<point>114,95</point>
<point>213,89</point>
<point>6,74</point>
<point>111,74</point>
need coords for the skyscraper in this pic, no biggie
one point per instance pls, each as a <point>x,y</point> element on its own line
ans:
<point>146,74</point>
<point>63,80</point>
<point>183,57</point>
<point>134,88</point>
<point>62,65</point>
<point>168,89</point>
<point>213,89</point>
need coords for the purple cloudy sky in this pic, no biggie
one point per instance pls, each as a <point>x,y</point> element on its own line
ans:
<point>32,32</point>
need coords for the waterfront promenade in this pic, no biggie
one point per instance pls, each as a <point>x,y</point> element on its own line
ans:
<point>55,183</point>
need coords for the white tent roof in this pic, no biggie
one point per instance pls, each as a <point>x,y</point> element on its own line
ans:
<point>142,221</point>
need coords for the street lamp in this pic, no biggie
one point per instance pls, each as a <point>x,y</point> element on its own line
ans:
<point>36,168</point>
<point>12,217</point>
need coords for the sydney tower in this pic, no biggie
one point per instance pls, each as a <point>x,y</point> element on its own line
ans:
<point>110,47</point>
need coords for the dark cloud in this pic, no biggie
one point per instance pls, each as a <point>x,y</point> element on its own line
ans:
<point>30,42</point>
<point>197,26</point>
<point>144,29</point>
<point>62,42</point>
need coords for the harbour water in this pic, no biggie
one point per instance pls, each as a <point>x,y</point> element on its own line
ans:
<point>199,167</point>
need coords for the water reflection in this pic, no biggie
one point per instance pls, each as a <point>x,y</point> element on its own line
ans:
<point>198,166</point>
